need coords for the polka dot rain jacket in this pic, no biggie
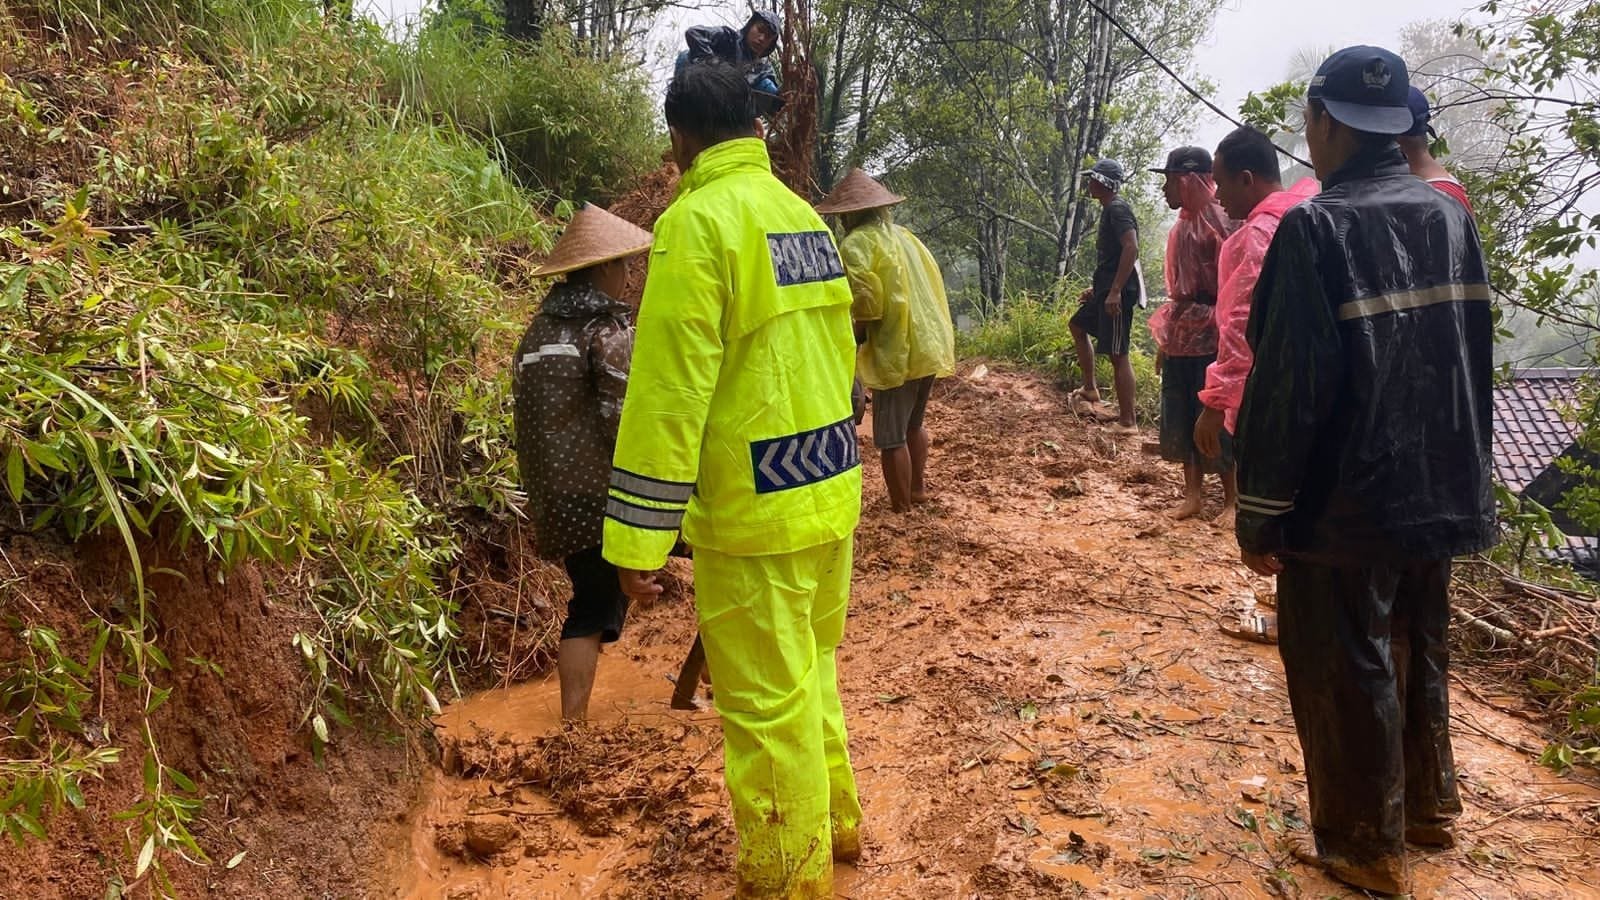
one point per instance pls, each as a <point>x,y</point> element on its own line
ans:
<point>568,381</point>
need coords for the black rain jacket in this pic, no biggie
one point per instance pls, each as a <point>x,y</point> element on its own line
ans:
<point>1365,431</point>
<point>706,41</point>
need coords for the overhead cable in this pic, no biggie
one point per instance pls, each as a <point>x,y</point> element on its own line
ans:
<point>1178,78</point>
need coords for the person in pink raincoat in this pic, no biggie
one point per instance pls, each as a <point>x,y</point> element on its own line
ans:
<point>1185,327</point>
<point>1250,189</point>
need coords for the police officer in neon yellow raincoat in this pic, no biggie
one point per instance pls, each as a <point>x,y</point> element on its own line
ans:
<point>737,430</point>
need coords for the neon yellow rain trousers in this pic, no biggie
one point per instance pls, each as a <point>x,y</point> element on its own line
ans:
<point>737,429</point>
<point>899,293</point>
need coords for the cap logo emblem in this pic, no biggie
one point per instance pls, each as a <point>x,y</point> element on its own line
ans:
<point>1376,75</point>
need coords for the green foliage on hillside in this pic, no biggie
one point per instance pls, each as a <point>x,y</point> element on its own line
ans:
<point>259,273</point>
<point>1032,331</point>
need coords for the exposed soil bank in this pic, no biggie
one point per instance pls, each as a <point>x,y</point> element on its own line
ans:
<point>233,723</point>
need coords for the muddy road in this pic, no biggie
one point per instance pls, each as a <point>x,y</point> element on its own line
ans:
<point>1040,705</point>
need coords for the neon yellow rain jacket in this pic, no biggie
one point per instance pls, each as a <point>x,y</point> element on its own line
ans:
<point>737,424</point>
<point>899,292</point>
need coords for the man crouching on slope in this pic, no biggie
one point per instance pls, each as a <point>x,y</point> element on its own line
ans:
<point>737,428</point>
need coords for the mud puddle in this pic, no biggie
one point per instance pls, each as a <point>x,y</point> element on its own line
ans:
<point>1040,706</point>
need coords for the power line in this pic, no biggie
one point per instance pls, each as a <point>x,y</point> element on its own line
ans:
<point>1178,78</point>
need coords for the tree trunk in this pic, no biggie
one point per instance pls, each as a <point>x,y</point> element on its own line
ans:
<point>524,21</point>
<point>829,160</point>
<point>1091,134</point>
<point>993,236</point>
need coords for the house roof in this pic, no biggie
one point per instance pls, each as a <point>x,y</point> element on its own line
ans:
<point>1581,553</point>
<point>1531,427</point>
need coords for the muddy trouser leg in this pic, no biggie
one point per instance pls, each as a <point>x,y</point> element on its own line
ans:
<point>1422,662</point>
<point>827,623</point>
<point>766,622</point>
<point>1334,628</point>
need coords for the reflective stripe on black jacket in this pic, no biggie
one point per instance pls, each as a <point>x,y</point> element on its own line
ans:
<point>1365,430</point>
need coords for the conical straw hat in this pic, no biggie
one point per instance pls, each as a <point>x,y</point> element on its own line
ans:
<point>856,192</point>
<point>592,237</point>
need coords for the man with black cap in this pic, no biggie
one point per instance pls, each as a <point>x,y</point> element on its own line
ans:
<point>1363,450</point>
<point>1185,327</point>
<point>1106,309</point>
<point>1416,144</point>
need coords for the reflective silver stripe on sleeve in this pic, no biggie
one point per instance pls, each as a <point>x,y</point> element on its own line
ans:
<point>651,488</point>
<point>1402,300</point>
<point>643,516</point>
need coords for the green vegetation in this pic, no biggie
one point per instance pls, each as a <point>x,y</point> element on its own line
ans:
<point>1033,332</point>
<point>291,349</point>
<point>565,124</point>
<point>985,115</point>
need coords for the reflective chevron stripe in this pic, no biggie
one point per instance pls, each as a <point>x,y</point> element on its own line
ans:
<point>805,458</point>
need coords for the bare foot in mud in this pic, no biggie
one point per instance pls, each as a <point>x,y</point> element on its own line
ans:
<point>1225,519</point>
<point>918,498</point>
<point>1188,509</point>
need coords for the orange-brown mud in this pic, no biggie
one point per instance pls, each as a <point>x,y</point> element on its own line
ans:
<point>1040,705</point>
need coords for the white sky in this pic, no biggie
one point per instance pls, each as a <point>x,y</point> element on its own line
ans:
<point>1252,41</point>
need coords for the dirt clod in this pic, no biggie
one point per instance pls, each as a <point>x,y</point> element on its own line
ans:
<point>487,836</point>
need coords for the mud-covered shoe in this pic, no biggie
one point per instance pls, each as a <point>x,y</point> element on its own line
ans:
<point>1386,875</point>
<point>1433,837</point>
<point>846,845</point>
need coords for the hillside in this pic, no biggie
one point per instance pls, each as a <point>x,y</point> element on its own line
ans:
<point>260,274</point>
<point>271,624</point>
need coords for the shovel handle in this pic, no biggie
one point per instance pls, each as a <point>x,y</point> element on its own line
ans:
<point>689,676</point>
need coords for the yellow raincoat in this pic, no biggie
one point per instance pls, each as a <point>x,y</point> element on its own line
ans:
<point>737,428</point>
<point>899,292</point>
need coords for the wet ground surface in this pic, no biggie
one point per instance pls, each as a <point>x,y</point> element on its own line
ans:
<point>1040,705</point>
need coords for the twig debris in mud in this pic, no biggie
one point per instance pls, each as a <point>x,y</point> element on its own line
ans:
<point>1480,731</point>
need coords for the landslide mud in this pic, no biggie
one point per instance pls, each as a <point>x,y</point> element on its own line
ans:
<point>1040,705</point>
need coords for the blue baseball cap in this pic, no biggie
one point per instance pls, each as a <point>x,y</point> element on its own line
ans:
<point>1421,115</point>
<point>1366,88</point>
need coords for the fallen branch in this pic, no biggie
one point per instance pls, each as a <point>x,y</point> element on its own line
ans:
<point>1482,732</point>
<point>1481,623</point>
<point>37,233</point>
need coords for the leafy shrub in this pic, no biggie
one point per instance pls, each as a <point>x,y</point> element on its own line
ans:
<point>1033,332</point>
<point>567,125</point>
<point>312,246</point>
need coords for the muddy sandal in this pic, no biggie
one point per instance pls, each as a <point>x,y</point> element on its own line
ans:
<point>1255,627</point>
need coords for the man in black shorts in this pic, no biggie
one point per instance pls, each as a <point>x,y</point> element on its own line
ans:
<point>1106,309</point>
